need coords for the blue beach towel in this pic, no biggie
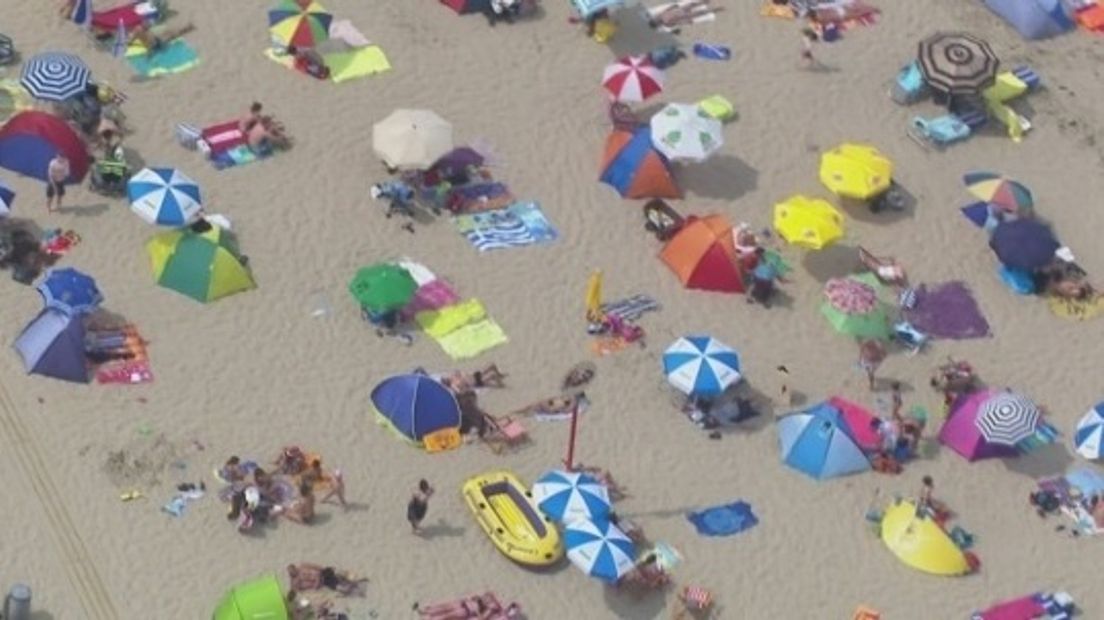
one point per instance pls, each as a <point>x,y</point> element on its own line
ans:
<point>518,225</point>
<point>238,156</point>
<point>174,57</point>
<point>632,308</point>
<point>709,51</point>
<point>723,520</point>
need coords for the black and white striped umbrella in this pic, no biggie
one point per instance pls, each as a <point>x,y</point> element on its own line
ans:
<point>1007,418</point>
<point>54,76</point>
<point>957,63</point>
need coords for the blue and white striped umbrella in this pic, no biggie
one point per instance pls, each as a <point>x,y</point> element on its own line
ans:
<point>164,196</point>
<point>701,366</point>
<point>1088,439</point>
<point>599,549</point>
<point>7,196</point>
<point>569,496</point>
<point>54,76</point>
<point>70,291</point>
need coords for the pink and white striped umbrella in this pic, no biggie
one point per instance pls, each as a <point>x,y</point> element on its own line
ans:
<point>633,79</point>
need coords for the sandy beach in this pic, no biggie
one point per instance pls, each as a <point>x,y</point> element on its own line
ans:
<point>253,372</point>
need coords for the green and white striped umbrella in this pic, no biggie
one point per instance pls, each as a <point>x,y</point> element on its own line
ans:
<point>682,131</point>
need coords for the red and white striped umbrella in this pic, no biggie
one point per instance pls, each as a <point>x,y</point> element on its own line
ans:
<point>633,79</point>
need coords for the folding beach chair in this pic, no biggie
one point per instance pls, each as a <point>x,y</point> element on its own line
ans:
<point>938,132</point>
<point>504,432</point>
<point>696,602</point>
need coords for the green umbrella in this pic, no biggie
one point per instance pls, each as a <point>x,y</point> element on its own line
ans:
<point>853,308</point>
<point>383,287</point>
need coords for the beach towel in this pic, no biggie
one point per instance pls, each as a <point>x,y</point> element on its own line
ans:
<point>723,520</point>
<point>472,339</point>
<point>1044,435</point>
<point>518,225</point>
<point>608,345</point>
<point>631,308</point>
<point>783,11</point>
<point>709,51</point>
<point>947,311</point>
<point>132,15</point>
<point>345,65</point>
<point>237,156</point>
<point>134,370</point>
<point>434,295</point>
<point>175,57</point>
<point>440,323</point>
<point>1022,608</point>
<point>343,30</point>
<point>1077,310</point>
<point>222,137</point>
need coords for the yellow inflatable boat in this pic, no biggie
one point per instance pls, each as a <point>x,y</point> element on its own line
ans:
<point>506,511</point>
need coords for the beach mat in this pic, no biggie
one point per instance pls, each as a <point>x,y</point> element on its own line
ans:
<point>948,311</point>
<point>344,66</point>
<point>518,225</point>
<point>631,308</point>
<point>473,339</point>
<point>237,156</point>
<point>1076,310</point>
<point>175,57</point>
<point>441,322</point>
<point>723,520</point>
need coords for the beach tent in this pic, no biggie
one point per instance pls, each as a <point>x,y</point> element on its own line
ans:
<point>1033,19</point>
<point>31,139</point>
<point>703,256</point>
<point>816,441</point>
<point>260,599</point>
<point>467,6</point>
<point>416,406</point>
<point>633,166</point>
<point>204,266</point>
<point>962,434</point>
<point>919,542</point>
<point>52,345</point>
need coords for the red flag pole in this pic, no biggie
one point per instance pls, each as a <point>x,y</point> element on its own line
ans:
<point>569,462</point>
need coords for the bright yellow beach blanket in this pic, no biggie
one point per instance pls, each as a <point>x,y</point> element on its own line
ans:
<point>344,66</point>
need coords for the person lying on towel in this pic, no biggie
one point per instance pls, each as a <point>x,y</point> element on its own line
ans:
<point>309,61</point>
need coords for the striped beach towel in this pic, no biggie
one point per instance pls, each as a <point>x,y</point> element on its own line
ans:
<point>631,308</point>
<point>520,224</point>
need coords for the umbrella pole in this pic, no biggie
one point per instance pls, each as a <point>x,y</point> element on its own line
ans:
<point>569,462</point>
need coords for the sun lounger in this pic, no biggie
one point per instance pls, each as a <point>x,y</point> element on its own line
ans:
<point>887,270</point>
<point>695,600</point>
<point>504,432</point>
<point>939,132</point>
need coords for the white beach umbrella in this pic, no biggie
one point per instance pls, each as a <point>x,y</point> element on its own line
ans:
<point>411,139</point>
<point>683,131</point>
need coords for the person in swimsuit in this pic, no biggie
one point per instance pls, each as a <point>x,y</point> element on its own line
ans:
<point>300,509</point>
<point>808,37</point>
<point>291,461</point>
<point>418,505</point>
<point>308,576</point>
<point>333,481</point>
<point>57,173</point>
<point>871,355</point>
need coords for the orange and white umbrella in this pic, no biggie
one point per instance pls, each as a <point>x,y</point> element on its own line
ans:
<point>633,78</point>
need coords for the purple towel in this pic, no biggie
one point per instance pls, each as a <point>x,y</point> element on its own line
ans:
<point>947,311</point>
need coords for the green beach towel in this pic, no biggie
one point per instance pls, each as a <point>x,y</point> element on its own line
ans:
<point>440,323</point>
<point>175,57</point>
<point>472,339</point>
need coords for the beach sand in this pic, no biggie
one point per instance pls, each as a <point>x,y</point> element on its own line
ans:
<point>256,371</point>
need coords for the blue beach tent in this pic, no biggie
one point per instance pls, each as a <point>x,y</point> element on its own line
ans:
<point>1033,19</point>
<point>52,345</point>
<point>817,442</point>
<point>415,406</point>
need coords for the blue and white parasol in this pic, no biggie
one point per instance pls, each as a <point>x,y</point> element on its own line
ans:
<point>70,291</point>
<point>570,496</point>
<point>599,549</point>
<point>54,76</point>
<point>1088,439</point>
<point>701,366</point>
<point>164,196</point>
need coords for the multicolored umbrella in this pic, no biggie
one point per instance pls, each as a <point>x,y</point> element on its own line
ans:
<point>853,308</point>
<point>570,496</point>
<point>1024,244</point>
<point>301,23</point>
<point>1007,418</point>
<point>413,139</point>
<point>810,223</point>
<point>1088,439</point>
<point>633,79</point>
<point>7,196</point>
<point>701,365</point>
<point>54,76</point>
<point>70,291</point>
<point>599,549</point>
<point>996,189</point>
<point>204,266</point>
<point>164,197</point>
<point>683,131</point>
<point>956,63</point>
<point>383,287</point>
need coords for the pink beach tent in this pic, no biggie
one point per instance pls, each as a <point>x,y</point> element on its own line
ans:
<point>858,420</point>
<point>961,433</point>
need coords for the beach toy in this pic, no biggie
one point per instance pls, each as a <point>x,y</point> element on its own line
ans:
<point>509,516</point>
<point>712,52</point>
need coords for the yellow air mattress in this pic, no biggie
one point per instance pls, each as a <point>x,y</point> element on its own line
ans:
<point>505,510</point>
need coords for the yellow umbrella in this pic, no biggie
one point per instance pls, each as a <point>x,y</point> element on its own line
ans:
<point>808,222</point>
<point>920,542</point>
<point>594,296</point>
<point>856,171</point>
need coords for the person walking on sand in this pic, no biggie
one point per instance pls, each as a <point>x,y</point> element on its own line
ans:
<point>871,355</point>
<point>57,173</point>
<point>808,37</point>
<point>418,505</point>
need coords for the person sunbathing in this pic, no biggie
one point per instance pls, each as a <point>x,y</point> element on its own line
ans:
<point>308,576</point>
<point>679,14</point>
<point>155,39</point>
<point>300,509</point>
<point>291,461</point>
<point>309,61</point>
<point>334,482</point>
<point>476,607</point>
<point>1075,289</point>
<point>488,376</point>
<point>647,574</point>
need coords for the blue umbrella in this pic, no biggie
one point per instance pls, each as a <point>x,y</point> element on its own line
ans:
<point>701,366</point>
<point>6,198</point>
<point>70,291</point>
<point>1024,244</point>
<point>1088,439</point>
<point>568,496</point>
<point>54,76</point>
<point>164,196</point>
<point>599,549</point>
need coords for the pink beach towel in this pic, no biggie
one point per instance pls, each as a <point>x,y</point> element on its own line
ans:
<point>125,374</point>
<point>1023,608</point>
<point>223,137</point>
<point>431,296</point>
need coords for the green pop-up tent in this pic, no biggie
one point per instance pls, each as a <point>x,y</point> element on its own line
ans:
<point>260,599</point>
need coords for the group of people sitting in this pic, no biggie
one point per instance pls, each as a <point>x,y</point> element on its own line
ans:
<point>899,434</point>
<point>289,491</point>
<point>262,131</point>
